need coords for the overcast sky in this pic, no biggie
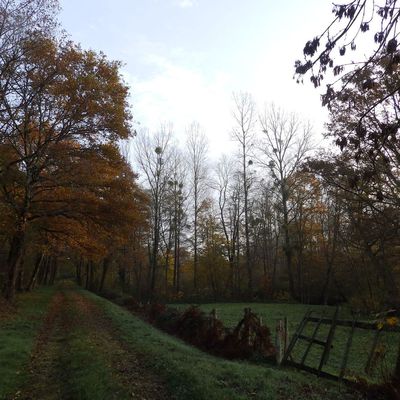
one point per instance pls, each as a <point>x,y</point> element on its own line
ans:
<point>184,58</point>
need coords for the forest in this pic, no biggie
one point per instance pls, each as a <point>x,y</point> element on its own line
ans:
<point>87,195</point>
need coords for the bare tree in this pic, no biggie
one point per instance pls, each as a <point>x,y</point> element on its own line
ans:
<point>197,147</point>
<point>285,142</point>
<point>244,133</point>
<point>229,214</point>
<point>174,217</point>
<point>153,156</point>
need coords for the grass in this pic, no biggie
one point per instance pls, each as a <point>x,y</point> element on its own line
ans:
<point>82,360</point>
<point>190,373</point>
<point>17,337</point>
<point>78,368</point>
<point>231,313</point>
<point>84,366</point>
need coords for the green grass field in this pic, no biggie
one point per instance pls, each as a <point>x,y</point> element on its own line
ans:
<point>231,313</point>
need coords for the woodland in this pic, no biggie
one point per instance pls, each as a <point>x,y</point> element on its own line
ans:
<point>84,195</point>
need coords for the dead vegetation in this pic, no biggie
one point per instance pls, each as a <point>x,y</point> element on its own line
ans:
<point>249,339</point>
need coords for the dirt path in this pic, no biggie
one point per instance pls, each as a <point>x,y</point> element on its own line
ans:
<point>73,318</point>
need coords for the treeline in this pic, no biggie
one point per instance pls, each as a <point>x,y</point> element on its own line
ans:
<point>66,190</point>
<point>278,219</point>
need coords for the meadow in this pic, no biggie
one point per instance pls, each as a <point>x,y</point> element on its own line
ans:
<point>270,313</point>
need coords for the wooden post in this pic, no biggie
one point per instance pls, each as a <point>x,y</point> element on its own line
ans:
<point>280,341</point>
<point>296,335</point>
<point>286,328</point>
<point>312,340</point>
<point>347,350</point>
<point>369,366</point>
<point>328,344</point>
<point>213,317</point>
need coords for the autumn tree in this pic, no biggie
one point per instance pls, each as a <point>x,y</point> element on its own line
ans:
<point>351,21</point>
<point>57,94</point>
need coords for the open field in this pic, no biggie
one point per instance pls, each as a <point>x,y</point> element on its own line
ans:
<point>231,313</point>
<point>69,343</point>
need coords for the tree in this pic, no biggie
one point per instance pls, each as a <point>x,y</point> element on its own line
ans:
<point>153,157</point>
<point>244,133</point>
<point>57,95</point>
<point>197,147</point>
<point>230,211</point>
<point>372,224</point>
<point>20,20</point>
<point>174,218</point>
<point>374,140</point>
<point>284,145</point>
<point>351,20</point>
<point>374,178</point>
<point>266,234</point>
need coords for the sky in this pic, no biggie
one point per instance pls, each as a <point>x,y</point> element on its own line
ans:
<point>183,59</point>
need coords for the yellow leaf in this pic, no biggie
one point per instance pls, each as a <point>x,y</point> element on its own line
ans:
<point>392,321</point>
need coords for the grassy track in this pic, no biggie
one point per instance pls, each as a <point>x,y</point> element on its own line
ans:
<point>61,346</point>
<point>230,314</point>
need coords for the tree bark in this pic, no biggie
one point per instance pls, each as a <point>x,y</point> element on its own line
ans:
<point>288,247</point>
<point>54,270</point>
<point>35,273</point>
<point>87,275</point>
<point>79,271</point>
<point>106,265</point>
<point>14,261</point>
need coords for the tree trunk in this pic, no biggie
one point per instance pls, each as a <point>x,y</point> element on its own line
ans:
<point>154,253</point>
<point>54,270</point>
<point>14,261</point>
<point>47,270</point>
<point>35,273</point>
<point>288,247</point>
<point>196,256</point>
<point>246,226</point>
<point>91,276</point>
<point>20,280</point>
<point>79,271</point>
<point>106,264</point>
<point>87,275</point>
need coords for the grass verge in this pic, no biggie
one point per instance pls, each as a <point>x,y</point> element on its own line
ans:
<point>17,338</point>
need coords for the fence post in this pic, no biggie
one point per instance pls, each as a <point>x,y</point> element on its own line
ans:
<point>281,339</point>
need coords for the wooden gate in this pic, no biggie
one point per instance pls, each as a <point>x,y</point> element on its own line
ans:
<point>327,343</point>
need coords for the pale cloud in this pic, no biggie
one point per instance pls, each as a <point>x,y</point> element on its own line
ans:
<point>182,95</point>
<point>187,3</point>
